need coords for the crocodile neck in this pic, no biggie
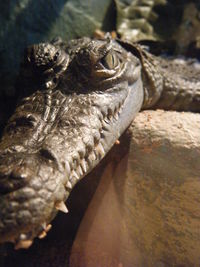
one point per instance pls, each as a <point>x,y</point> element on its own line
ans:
<point>168,84</point>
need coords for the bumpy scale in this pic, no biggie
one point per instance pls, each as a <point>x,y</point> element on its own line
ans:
<point>79,99</point>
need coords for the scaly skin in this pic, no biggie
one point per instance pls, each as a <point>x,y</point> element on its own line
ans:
<point>58,134</point>
<point>80,97</point>
<point>168,84</point>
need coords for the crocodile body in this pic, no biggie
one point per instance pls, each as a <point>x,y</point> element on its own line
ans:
<point>79,99</point>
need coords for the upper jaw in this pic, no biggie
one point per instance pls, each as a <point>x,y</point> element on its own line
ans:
<point>49,173</point>
<point>83,129</point>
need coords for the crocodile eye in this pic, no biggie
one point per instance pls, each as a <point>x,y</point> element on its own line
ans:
<point>110,61</point>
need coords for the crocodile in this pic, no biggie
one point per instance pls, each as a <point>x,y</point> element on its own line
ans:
<point>75,101</point>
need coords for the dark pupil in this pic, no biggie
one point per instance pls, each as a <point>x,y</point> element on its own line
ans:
<point>109,61</point>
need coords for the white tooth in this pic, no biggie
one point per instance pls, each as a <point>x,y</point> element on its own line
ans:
<point>48,228</point>
<point>80,170</point>
<point>100,149</point>
<point>23,244</point>
<point>42,235</point>
<point>75,175</point>
<point>61,206</point>
<point>92,156</point>
<point>67,166</point>
<point>69,185</point>
<point>44,225</point>
<point>83,164</point>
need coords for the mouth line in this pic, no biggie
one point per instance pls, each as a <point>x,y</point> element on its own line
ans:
<point>76,169</point>
<point>75,123</point>
<point>79,167</point>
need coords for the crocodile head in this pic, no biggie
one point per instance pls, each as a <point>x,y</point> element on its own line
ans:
<point>59,133</point>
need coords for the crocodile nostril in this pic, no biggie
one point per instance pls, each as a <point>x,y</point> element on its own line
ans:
<point>47,154</point>
<point>15,180</point>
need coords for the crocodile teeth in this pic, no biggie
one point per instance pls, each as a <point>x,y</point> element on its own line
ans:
<point>48,228</point>
<point>69,185</point>
<point>42,235</point>
<point>100,149</point>
<point>74,174</point>
<point>61,206</point>
<point>23,242</point>
<point>83,164</point>
<point>80,170</point>
<point>92,156</point>
<point>44,225</point>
